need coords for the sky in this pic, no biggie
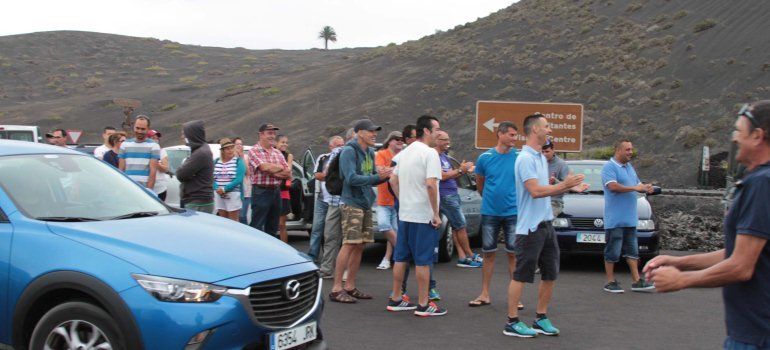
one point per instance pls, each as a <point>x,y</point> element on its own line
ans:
<point>254,24</point>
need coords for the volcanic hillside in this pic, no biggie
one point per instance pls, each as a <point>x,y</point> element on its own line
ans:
<point>666,73</point>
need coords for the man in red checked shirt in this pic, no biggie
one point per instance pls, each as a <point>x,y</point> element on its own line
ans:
<point>268,168</point>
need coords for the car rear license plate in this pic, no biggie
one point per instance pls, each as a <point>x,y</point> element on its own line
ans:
<point>590,238</point>
<point>293,337</point>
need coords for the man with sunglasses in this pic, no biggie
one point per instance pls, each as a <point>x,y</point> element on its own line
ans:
<point>57,137</point>
<point>742,268</point>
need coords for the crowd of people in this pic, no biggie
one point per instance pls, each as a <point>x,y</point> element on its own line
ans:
<point>522,192</point>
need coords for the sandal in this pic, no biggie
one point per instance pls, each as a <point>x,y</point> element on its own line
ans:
<point>342,297</point>
<point>358,294</point>
<point>478,302</point>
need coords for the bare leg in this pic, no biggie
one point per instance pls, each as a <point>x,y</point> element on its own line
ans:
<point>423,281</point>
<point>221,213</point>
<point>398,278</point>
<point>544,293</point>
<point>633,265</point>
<point>390,235</point>
<point>462,243</point>
<point>609,269</point>
<point>460,252</point>
<point>514,296</point>
<point>354,263</point>
<point>282,229</point>
<point>233,215</point>
<point>341,265</point>
<point>486,276</point>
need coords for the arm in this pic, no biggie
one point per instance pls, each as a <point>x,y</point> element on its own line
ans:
<point>239,172</point>
<point>432,186</point>
<point>739,267</point>
<point>394,185</point>
<point>538,191</point>
<point>189,168</point>
<point>685,263</point>
<point>163,165</point>
<point>480,184</point>
<point>122,164</point>
<point>320,176</point>
<point>614,186</point>
<point>153,173</point>
<point>451,174</point>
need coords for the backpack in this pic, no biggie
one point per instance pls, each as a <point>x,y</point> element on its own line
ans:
<point>334,178</point>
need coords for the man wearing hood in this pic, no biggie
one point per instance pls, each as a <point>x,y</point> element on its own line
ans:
<point>196,174</point>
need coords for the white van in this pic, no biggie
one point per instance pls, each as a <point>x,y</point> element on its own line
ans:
<point>20,133</point>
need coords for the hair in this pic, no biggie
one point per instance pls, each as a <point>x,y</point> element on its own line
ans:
<point>620,142</point>
<point>505,126</point>
<point>530,121</point>
<point>350,134</point>
<point>108,128</point>
<point>237,138</point>
<point>761,112</point>
<point>280,136</point>
<point>63,132</point>
<point>407,132</point>
<point>335,137</point>
<point>143,117</point>
<point>114,138</point>
<point>548,146</point>
<point>424,122</point>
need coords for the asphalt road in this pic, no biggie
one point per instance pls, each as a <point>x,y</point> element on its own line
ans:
<point>588,317</point>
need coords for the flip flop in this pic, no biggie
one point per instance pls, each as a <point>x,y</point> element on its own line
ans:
<point>342,297</point>
<point>478,303</point>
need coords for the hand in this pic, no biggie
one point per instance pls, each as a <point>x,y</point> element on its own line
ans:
<point>573,180</point>
<point>384,172</point>
<point>667,279</point>
<point>656,262</point>
<point>466,166</point>
<point>221,191</point>
<point>649,189</point>
<point>580,188</point>
<point>436,221</point>
<point>552,180</point>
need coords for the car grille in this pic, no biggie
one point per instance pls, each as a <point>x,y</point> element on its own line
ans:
<point>584,224</point>
<point>272,308</point>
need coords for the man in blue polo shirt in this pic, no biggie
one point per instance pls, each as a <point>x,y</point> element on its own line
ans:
<point>742,268</point>
<point>535,245</point>
<point>620,217</point>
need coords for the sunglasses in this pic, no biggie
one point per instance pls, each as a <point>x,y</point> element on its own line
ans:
<point>55,137</point>
<point>399,139</point>
<point>744,111</point>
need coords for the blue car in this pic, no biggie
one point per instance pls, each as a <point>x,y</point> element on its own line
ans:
<point>91,260</point>
<point>580,226</point>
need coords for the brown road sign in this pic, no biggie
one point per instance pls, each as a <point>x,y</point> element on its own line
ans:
<point>566,121</point>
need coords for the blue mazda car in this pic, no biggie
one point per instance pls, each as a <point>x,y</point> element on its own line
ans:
<point>91,260</point>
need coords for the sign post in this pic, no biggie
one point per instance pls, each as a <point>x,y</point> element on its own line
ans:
<point>565,119</point>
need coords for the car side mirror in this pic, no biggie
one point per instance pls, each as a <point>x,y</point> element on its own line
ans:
<point>655,191</point>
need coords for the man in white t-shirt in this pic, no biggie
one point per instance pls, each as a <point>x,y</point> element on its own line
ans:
<point>415,184</point>
<point>105,147</point>
<point>161,174</point>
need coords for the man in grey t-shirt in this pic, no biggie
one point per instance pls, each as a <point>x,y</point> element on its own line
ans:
<point>557,172</point>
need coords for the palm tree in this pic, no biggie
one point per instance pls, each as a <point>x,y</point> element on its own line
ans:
<point>328,34</point>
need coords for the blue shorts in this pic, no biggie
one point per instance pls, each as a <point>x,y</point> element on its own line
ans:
<point>490,231</point>
<point>450,207</point>
<point>732,344</point>
<point>417,242</point>
<point>387,218</point>
<point>621,241</point>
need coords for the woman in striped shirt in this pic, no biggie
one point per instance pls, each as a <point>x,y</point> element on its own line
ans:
<point>228,176</point>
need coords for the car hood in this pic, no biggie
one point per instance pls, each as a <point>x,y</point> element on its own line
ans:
<point>592,206</point>
<point>187,245</point>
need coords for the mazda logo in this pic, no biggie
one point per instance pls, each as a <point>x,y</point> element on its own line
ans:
<point>291,289</point>
<point>598,222</point>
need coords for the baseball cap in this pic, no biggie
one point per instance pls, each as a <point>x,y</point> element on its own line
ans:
<point>267,126</point>
<point>152,133</point>
<point>366,124</point>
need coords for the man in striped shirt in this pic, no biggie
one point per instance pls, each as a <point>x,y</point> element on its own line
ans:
<point>139,156</point>
<point>268,170</point>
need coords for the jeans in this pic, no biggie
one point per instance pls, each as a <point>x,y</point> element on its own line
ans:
<point>732,344</point>
<point>621,241</point>
<point>265,209</point>
<point>243,216</point>
<point>451,206</point>
<point>490,230</point>
<point>316,234</point>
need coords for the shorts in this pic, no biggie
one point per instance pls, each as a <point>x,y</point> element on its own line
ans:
<point>285,206</point>
<point>387,218</point>
<point>450,207</point>
<point>418,242</point>
<point>621,241</point>
<point>233,201</point>
<point>537,249</point>
<point>490,231</point>
<point>356,225</point>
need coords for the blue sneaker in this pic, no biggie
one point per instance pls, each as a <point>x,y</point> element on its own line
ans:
<point>519,329</point>
<point>544,326</point>
<point>477,258</point>
<point>434,295</point>
<point>468,263</point>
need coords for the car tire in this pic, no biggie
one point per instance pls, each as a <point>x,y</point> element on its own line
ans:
<point>85,317</point>
<point>446,245</point>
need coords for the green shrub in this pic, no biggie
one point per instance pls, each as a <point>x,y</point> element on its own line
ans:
<point>168,107</point>
<point>93,82</point>
<point>705,24</point>
<point>271,91</point>
<point>188,79</point>
<point>172,46</point>
<point>680,14</point>
<point>155,68</point>
<point>676,84</point>
<point>202,63</point>
<point>690,136</point>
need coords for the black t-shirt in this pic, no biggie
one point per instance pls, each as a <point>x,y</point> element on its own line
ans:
<point>747,304</point>
<point>112,158</point>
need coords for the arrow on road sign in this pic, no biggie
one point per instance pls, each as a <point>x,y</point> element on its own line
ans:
<point>491,125</point>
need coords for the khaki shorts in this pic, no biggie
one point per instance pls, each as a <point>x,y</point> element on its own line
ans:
<point>356,225</point>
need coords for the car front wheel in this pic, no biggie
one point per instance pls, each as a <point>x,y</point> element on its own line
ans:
<point>76,325</point>
<point>446,245</point>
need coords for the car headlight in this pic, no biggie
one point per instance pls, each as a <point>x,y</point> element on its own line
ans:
<point>647,225</point>
<point>179,291</point>
<point>560,222</point>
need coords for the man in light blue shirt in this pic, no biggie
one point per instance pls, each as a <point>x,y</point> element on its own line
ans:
<point>620,216</point>
<point>535,244</point>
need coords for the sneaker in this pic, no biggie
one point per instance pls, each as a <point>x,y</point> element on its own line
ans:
<point>544,326</point>
<point>429,310</point>
<point>384,265</point>
<point>402,305</point>
<point>642,286</point>
<point>403,297</point>
<point>519,329</point>
<point>613,287</point>
<point>477,258</point>
<point>467,262</point>
<point>434,295</point>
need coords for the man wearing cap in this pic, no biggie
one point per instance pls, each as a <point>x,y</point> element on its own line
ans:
<point>268,168</point>
<point>387,218</point>
<point>161,174</point>
<point>138,157</point>
<point>57,137</point>
<point>359,175</point>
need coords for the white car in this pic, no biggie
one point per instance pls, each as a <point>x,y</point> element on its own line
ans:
<point>301,218</point>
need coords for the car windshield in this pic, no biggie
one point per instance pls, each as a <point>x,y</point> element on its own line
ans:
<point>175,158</point>
<point>69,187</point>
